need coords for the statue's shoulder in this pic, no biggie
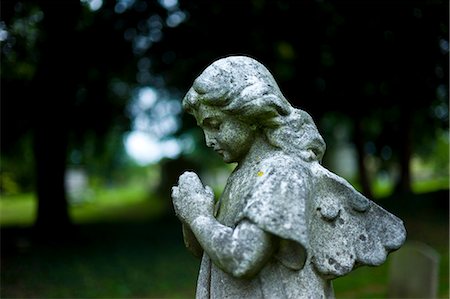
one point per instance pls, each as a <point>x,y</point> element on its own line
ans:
<point>277,200</point>
<point>283,167</point>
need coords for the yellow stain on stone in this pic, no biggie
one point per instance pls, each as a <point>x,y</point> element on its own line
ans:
<point>260,173</point>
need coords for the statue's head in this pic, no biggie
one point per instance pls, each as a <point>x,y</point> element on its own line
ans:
<point>240,86</point>
<point>241,90</point>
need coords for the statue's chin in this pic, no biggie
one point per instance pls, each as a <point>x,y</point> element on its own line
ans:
<point>227,159</point>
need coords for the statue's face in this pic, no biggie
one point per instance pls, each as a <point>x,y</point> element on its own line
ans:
<point>228,136</point>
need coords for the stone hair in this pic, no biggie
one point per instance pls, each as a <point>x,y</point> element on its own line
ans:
<point>243,87</point>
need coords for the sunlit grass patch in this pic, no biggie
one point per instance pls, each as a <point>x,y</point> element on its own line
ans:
<point>424,186</point>
<point>18,209</point>
<point>131,202</point>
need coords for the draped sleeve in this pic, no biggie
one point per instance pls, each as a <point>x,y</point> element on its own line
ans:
<point>277,204</point>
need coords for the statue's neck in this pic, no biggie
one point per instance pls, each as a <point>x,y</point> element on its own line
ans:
<point>259,150</point>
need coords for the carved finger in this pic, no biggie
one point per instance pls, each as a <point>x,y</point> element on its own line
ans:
<point>187,175</point>
<point>189,181</point>
<point>175,192</point>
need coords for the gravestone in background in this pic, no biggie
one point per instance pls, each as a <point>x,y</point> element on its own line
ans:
<point>413,272</point>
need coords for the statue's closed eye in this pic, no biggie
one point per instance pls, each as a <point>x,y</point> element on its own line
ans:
<point>212,123</point>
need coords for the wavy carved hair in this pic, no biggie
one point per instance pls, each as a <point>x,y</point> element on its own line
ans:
<point>243,87</point>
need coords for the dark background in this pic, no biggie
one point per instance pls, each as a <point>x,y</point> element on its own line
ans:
<point>376,70</point>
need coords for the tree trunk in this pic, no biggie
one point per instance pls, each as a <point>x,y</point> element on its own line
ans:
<point>50,156</point>
<point>53,93</point>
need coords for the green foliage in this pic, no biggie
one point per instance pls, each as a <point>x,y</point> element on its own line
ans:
<point>8,184</point>
<point>349,58</point>
<point>19,55</point>
<point>439,158</point>
<point>16,175</point>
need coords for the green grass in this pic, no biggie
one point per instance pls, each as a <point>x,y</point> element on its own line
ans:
<point>372,282</point>
<point>18,209</point>
<point>140,260</point>
<point>124,248</point>
<point>424,186</point>
<point>125,203</point>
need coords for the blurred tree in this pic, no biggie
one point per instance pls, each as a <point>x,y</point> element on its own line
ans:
<point>383,64</point>
<point>60,92</point>
<point>43,94</point>
<point>68,72</point>
<point>52,92</point>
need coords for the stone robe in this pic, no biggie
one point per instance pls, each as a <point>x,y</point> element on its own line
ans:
<point>322,227</point>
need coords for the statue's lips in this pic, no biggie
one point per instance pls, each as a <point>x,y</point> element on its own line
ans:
<point>219,151</point>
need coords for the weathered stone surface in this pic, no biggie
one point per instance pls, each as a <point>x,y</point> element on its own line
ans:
<point>284,226</point>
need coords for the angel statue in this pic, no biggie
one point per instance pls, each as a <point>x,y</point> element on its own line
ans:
<point>284,226</point>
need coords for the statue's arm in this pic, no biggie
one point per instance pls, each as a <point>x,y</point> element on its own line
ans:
<point>190,241</point>
<point>241,251</point>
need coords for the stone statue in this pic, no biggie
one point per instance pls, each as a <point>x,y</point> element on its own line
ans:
<point>284,226</point>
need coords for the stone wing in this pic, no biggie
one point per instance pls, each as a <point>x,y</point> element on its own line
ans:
<point>346,229</point>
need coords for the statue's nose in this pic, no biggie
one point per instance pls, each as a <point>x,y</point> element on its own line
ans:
<point>210,140</point>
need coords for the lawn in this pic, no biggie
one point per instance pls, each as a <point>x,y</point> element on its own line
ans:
<point>127,245</point>
<point>104,204</point>
<point>127,260</point>
<point>124,246</point>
